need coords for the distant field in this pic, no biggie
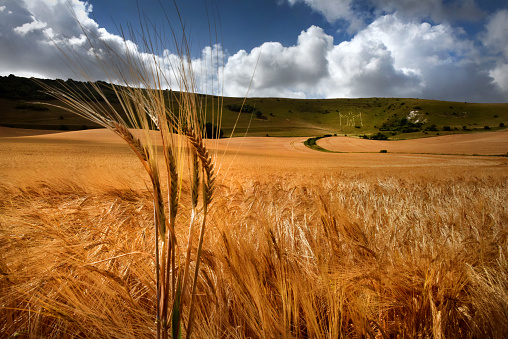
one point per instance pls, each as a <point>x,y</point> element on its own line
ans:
<point>97,156</point>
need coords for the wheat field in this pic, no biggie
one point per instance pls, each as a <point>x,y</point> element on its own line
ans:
<point>299,244</point>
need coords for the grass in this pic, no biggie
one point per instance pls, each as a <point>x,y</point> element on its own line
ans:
<point>350,256</point>
<point>295,117</point>
<point>311,143</point>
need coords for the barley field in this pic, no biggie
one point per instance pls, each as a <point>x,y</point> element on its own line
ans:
<point>298,244</point>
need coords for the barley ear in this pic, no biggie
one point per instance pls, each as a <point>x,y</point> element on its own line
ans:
<point>133,142</point>
<point>173,184</point>
<point>207,164</point>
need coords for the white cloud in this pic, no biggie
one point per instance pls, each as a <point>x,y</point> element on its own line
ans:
<point>35,39</point>
<point>393,56</point>
<point>390,57</point>
<point>500,75</point>
<point>367,68</point>
<point>28,27</point>
<point>288,71</point>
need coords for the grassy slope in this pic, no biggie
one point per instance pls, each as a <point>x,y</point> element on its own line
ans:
<point>291,117</point>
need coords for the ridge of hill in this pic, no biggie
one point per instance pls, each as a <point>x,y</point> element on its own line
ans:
<point>374,118</point>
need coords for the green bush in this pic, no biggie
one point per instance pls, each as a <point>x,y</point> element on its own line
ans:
<point>238,108</point>
<point>212,132</point>
<point>378,136</point>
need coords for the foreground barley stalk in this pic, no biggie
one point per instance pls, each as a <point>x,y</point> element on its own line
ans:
<point>146,107</point>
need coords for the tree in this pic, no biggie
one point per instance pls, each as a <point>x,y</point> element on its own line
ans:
<point>212,131</point>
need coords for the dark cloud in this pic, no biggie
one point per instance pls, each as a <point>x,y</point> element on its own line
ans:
<point>438,11</point>
<point>495,39</point>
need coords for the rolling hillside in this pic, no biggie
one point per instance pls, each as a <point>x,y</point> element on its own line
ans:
<point>375,118</point>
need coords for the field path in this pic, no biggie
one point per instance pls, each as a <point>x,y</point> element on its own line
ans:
<point>491,143</point>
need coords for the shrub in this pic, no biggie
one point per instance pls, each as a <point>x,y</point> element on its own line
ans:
<point>212,132</point>
<point>259,115</point>
<point>239,108</point>
<point>379,136</point>
<point>486,127</point>
<point>501,124</point>
<point>447,128</point>
<point>383,151</point>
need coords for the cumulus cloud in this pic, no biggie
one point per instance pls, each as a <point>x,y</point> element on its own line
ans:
<point>30,27</point>
<point>496,40</point>
<point>280,71</point>
<point>431,61</point>
<point>30,30</point>
<point>367,68</point>
<point>390,57</point>
<point>393,56</point>
<point>58,39</point>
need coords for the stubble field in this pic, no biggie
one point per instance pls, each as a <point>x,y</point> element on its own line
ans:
<point>300,243</point>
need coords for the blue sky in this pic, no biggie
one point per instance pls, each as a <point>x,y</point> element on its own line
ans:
<point>245,24</point>
<point>436,49</point>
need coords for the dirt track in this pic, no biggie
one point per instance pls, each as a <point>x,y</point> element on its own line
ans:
<point>493,143</point>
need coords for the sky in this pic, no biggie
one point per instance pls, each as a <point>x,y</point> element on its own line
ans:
<point>455,50</point>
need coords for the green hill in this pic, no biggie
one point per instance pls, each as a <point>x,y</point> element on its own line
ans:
<point>395,118</point>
